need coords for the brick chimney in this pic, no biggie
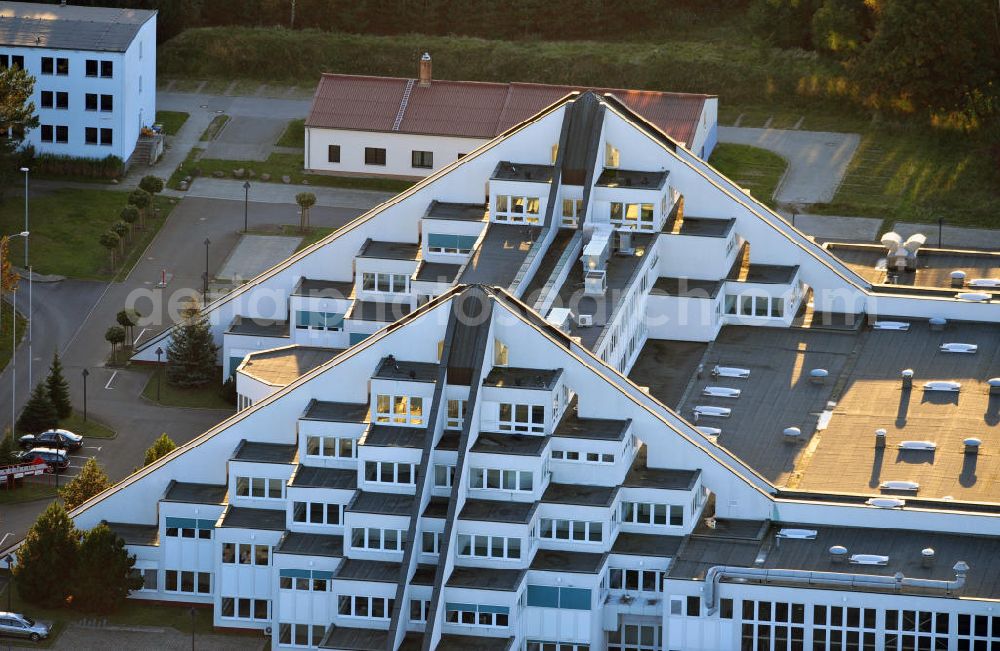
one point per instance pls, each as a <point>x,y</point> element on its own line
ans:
<point>425,69</point>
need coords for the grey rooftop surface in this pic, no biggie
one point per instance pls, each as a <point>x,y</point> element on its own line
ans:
<point>354,639</point>
<point>449,440</point>
<point>636,179</point>
<point>336,412</point>
<point>136,534</point>
<point>258,327</point>
<point>507,443</point>
<point>319,477</point>
<point>934,266</point>
<point>500,254</point>
<point>486,578</point>
<point>579,495</point>
<point>389,250</point>
<point>642,544</point>
<point>437,272</point>
<point>364,570</point>
<point>642,476</point>
<point>70,27</point>
<point>380,311</point>
<point>324,288</point>
<point>497,511</point>
<point>282,366</point>
<point>192,493</point>
<point>686,287</point>
<point>731,542</point>
<point>666,366</point>
<point>311,544</point>
<point>391,368</point>
<point>453,642</point>
<point>704,227</point>
<point>551,560</point>
<point>466,212</point>
<point>508,171</point>
<point>437,508</point>
<point>770,273</point>
<point>522,378</point>
<point>241,517</point>
<point>572,425</point>
<point>392,436</point>
<point>381,503</point>
<point>265,452</point>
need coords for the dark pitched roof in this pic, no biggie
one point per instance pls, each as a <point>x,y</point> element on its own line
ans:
<point>70,27</point>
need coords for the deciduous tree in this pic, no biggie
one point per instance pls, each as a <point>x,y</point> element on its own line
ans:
<point>161,447</point>
<point>17,117</point>
<point>89,482</point>
<point>306,200</point>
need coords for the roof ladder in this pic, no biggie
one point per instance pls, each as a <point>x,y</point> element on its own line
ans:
<point>402,104</point>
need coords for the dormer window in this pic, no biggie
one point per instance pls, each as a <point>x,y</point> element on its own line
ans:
<point>612,157</point>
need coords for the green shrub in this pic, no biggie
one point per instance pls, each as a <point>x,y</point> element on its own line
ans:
<point>109,167</point>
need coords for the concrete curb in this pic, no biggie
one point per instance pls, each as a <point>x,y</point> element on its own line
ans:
<point>39,278</point>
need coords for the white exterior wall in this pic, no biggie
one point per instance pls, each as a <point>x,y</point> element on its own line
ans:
<point>138,88</point>
<point>398,151</point>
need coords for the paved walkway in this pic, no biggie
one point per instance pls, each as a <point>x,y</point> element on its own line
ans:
<point>77,638</point>
<point>952,236</point>
<point>836,228</point>
<point>232,189</point>
<point>256,253</point>
<point>817,160</point>
<point>246,138</point>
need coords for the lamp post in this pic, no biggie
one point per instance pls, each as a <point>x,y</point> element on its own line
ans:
<point>26,228</point>
<point>193,613</point>
<point>246,203</point>
<point>208,243</point>
<point>13,345</point>
<point>27,265</point>
<point>85,373</point>
<point>10,581</point>
<point>159,372</point>
<point>940,229</point>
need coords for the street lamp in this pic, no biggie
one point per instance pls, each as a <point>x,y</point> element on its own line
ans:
<point>13,341</point>
<point>159,372</point>
<point>26,228</point>
<point>85,373</point>
<point>10,581</point>
<point>940,229</point>
<point>193,613</point>
<point>208,242</point>
<point>27,266</point>
<point>246,203</point>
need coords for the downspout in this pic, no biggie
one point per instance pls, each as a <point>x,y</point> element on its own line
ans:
<point>716,574</point>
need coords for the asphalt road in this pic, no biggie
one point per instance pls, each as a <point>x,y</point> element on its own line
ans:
<point>73,316</point>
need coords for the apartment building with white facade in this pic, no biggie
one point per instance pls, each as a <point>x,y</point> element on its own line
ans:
<point>410,128</point>
<point>94,70</point>
<point>438,447</point>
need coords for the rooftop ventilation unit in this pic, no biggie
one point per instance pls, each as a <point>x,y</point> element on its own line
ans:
<point>994,384</point>
<point>595,252</point>
<point>902,256</point>
<point>957,278</point>
<point>792,433</point>
<point>584,320</point>
<point>972,445</point>
<point>973,297</point>
<point>991,283</point>
<point>937,323</point>
<point>959,348</point>
<point>897,485</point>
<point>891,325</point>
<point>625,243</point>
<point>729,371</point>
<point>595,283</point>
<point>869,559</point>
<point>709,410</point>
<point>818,376</point>
<point>709,431</point>
<point>923,446</point>
<point>559,317</point>
<point>721,392</point>
<point>798,534</point>
<point>838,553</point>
<point>886,502</point>
<point>943,385</point>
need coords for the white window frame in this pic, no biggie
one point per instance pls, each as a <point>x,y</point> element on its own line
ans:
<point>388,472</point>
<point>573,527</point>
<point>391,409</point>
<point>336,442</point>
<point>384,538</point>
<point>502,479</point>
<point>494,547</point>
<point>521,418</point>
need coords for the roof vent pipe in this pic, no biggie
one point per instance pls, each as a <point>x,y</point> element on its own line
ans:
<point>880,439</point>
<point>972,446</point>
<point>927,557</point>
<point>907,376</point>
<point>838,554</point>
<point>425,69</point>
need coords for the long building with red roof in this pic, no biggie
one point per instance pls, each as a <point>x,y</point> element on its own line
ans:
<point>394,126</point>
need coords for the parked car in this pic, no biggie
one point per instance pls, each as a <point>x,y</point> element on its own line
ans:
<point>60,438</point>
<point>57,460</point>
<point>20,626</point>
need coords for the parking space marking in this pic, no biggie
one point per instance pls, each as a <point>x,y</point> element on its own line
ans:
<point>141,333</point>
<point>113,376</point>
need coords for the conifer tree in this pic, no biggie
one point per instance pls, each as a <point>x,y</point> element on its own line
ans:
<point>192,353</point>
<point>59,389</point>
<point>103,577</point>
<point>47,558</point>
<point>39,414</point>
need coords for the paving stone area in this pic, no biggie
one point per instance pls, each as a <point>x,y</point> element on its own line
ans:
<point>256,253</point>
<point>247,138</point>
<point>78,637</point>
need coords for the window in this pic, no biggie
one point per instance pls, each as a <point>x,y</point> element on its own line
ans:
<point>555,153</point>
<point>260,488</point>
<point>299,634</point>
<point>16,61</point>
<point>189,582</point>
<point>91,67</point>
<point>575,530</point>
<point>456,413</point>
<point>331,321</point>
<point>443,476</point>
<point>148,577</point>
<point>62,133</point>
<point>47,132</point>
<point>46,99</point>
<point>545,596</point>
<point>629,580</point>
<point>189,528</point>
<point>363,606</point>
<point>385,282</point>
<point>331,446</point>
<point>62,66</point>
<point>4,61</point>
<point>515,209</point>
<point>522,418</point>
<point>781,623</point>
<point>539,645</point>
<point>374,156</point>
<point>473,546</point>
<point>430,542</point>
<point>498,479</point>
<point>108,68</point>
<point>632,215</point>
<point>48,65</point>
<point>477,615</point>
<point>316,513</point>
<point>373,538</point>
<point>333,153</point>
<point>261,555</point>
<point>418,610</point>
<point>460,244</point>
<point>501,353</point>
<point>572,210</point>
<point>107,103</point>
<point>305,580</point>
<point>584,457</point>
<point>90,135</point>
<point>612,157</point>
<point>399,410</point>
<point>90,101</point>
<point>105,136</point>
<point>654,514</point>
<point>389,472</point>
<point>240,608</point>
<point>422,159</point>
<point>919,629</point>
<point>638,637</point>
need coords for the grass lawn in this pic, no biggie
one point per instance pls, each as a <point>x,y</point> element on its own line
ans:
<point>89,429</point>
<point>312,235</point>
<point>753,168</point>
<point>214,127</point>
<point>202,398</point>
<point>30,490</point>
<point>66,226</point>
<point>294,134</point>
<point>172,121</point>
<point>7,313</point>
<point>278,165</point>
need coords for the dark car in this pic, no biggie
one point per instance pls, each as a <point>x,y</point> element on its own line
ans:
<point>18,625</point>
<point>53,438</point>
<point>57,460</point>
